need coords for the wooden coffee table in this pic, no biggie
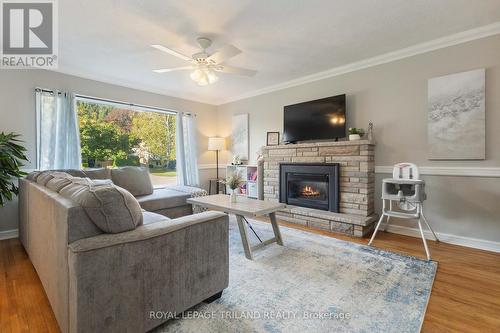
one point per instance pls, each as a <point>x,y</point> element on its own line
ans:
<point>243,207</point>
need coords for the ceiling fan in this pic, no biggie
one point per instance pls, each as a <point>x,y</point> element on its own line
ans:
<point>204,64</point>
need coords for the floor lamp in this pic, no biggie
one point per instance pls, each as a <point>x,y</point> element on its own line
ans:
<point>217,144</point>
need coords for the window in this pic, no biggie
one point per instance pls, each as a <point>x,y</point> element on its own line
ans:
<point>116,134</point>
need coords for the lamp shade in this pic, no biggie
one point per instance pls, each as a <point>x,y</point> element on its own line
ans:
<point>216,143</point>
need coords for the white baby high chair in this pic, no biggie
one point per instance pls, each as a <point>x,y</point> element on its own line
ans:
<point>408,191</point>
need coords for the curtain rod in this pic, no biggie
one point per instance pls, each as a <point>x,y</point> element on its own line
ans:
<point>130,105</point>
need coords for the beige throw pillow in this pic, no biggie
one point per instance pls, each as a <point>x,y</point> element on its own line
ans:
<point>136,180</point>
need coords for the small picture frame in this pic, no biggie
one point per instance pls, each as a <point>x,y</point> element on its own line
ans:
<point>273,138</point>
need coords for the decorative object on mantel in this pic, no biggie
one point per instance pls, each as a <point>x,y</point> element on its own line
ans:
<point>456,118</point>
<point>355,133</point>
<point>239,136</point>
<point>369,132</point>
<point>273,138</point>
<point>260,156</point>
<point>234,181</point>
<point>408,191</point>
<point>12,154</point>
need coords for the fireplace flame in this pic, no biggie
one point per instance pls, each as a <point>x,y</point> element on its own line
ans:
<point>308,191</point>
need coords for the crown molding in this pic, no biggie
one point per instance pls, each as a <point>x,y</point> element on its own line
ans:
<point>458,38</point>
<point>448,171</point>
<point>130,85</point>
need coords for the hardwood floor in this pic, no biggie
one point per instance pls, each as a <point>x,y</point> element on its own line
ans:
<point>24,307</point>
<point>465,296</point>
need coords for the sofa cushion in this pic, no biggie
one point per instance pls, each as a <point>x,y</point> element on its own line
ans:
<point>136,180</point>
<point>149,218</point>
<point>111,208</point>
<point>162,198</point>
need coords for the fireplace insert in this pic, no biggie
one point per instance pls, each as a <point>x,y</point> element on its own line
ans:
<point>310,185</point>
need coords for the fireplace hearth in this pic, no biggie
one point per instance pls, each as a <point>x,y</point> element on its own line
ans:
<point>310,185</point>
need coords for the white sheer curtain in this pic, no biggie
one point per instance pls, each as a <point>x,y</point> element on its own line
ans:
<point>58,131</point>
<point>187,152</point>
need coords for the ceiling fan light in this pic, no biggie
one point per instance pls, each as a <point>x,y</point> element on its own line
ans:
<point>204,77</point>
<point>212,78</point>
<point>203,80</point>
<point>197,75</point>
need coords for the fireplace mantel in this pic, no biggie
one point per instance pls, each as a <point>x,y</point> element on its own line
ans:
<point>357,183</point>
<point>320,144</point>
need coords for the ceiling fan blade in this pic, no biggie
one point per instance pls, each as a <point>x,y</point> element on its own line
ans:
<point>236,70</point>
<point>166,70</point>
<point>171,52</point>
<point>223,54</point>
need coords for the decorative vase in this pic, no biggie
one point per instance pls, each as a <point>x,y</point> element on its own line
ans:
<point>354,137</point>
<point>234,194</point>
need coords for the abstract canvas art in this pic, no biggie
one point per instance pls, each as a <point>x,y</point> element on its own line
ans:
<point>239,136</point>
<point>456,118</point>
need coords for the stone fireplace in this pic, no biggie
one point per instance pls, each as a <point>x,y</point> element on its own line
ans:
<point>310,185</point>
<point>297,175</point>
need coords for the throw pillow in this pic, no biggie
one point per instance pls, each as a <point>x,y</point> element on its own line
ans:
<point>111,208</point>
<point>136,180</point>
<point>101,173</point>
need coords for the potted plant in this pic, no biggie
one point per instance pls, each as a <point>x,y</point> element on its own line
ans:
<point>234,181</point>
<point>11,158</point>
<point>355,133</point>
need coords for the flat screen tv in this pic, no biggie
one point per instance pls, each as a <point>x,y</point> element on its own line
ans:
<point>322,119</point>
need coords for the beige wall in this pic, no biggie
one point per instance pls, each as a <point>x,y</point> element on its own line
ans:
<point>17,113</point>
<point>394,97</point>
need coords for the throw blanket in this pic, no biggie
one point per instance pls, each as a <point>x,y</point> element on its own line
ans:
<point>193,191</point>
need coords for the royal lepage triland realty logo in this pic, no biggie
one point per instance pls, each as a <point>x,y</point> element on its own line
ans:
<point>29,34</point>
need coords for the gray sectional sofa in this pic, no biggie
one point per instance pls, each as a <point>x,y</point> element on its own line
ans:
<point>105,263</point>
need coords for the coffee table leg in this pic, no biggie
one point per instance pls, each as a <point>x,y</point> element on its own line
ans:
<point>276,229</point>
<point>244,236</point>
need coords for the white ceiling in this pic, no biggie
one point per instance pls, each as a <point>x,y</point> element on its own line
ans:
<point>109,40</point>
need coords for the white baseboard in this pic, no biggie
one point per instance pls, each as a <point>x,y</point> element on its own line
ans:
<point>7,234</point>
<point>490,172</point>
<point>475,243</point>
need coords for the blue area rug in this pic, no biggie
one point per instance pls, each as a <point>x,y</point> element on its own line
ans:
<point>314,284</point>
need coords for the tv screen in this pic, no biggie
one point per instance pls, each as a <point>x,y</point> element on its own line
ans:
<point>321,119</point>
